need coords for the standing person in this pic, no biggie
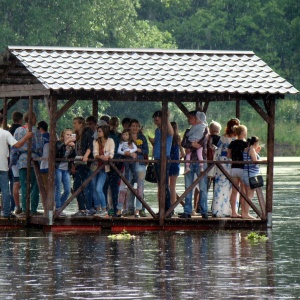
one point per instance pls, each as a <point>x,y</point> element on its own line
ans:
<point>42,126</point>
<point>83,151</point>
<point>113,178</point>
<point>125,123</point>
<point>156,141</point>
<point>176,153</point>
<point>91,122</point>
<point>235,153</point>
<point>251,153</point>
<point>141,152</point>
<point>37,148</point>
<point>213,139</point>
<point>13,172</point>
<point>64,148</point>
<point>6,139</point>
<point>104,149</point>
<point>221,206</point>
<point>195,170</point>
<point>194,135</point>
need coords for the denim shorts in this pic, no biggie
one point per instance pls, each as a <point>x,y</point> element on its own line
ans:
<point>16,173</point>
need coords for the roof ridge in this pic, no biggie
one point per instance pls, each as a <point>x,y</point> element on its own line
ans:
<point>139,50</point>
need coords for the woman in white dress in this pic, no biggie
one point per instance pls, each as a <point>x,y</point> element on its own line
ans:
<point>221,202</point>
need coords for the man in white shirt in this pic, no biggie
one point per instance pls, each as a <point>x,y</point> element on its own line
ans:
<point>6,139</point>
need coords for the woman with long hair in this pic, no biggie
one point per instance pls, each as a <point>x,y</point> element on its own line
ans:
<point>64,149</point>
<point>104,149</point>
<point>221,206</point>
<point>235,153</point>
<point>251,153</point>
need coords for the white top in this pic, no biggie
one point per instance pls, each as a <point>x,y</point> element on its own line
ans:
<point>125,147</point>
<point>109,150</point>
<point>5,139</point>
<point>196,132</point>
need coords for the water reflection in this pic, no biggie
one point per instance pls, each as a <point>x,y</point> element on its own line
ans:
<point>164,265</point>
<point>176,265</point>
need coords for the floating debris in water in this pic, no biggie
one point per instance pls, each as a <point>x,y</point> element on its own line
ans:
<point>255,237</point>
<point>124,235</point>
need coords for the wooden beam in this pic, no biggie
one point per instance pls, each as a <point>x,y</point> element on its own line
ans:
<point>270,158</point>
<point>5,113</point>
<point>182,107</point>
<point>29,152</point>
<point>10,104</point>
<point>7,69</point>
<point>260,111</point>
<point>163,162</point>
<point>95,108</point>
<point>50,205</point>
<point>205,107</point>
<point>23,90</point>
<point>238,109</point>
<point>40,183</point>
<point>65,108</point>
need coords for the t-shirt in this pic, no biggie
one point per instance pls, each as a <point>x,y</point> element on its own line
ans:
<point>5,139</point>
<point>237,148</point>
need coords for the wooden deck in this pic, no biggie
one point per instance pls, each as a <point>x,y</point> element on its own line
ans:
<point>113,224</point>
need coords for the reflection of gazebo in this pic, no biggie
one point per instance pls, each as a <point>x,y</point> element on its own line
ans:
<point>177,76</point>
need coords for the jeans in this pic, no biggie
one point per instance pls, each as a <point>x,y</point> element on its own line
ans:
<point>4,186</point>
<point>130,169</point>
<point>140,174</point>
<point>62,177</point>
<point>112,181</point>
<point>34,189</point>
<point>167,191</point>
<point>84,198</point>
<point>189,179</point>
<point>100,199</point>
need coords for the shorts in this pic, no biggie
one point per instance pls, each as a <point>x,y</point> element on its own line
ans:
<point>237,173</point>
<point>16,173</point>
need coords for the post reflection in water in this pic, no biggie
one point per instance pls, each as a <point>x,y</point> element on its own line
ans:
<point>164,265</point>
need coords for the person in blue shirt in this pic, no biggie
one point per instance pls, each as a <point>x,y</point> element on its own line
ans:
<point>156,142</point>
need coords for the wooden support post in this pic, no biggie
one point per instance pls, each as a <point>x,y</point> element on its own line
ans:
<point>40,183</point>
<point>163,161</point>
<point>50,204</point>
<point>238,109</point>
<point>5,113</point>
<point>95,108</point>
<point>29,152</point>
<point>270,158</point>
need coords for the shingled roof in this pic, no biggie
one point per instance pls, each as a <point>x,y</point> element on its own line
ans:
<point>140,70</point>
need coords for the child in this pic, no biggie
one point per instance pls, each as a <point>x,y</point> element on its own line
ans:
<point>213,139</point>
<point>194,135</point>
<point>126,148</point>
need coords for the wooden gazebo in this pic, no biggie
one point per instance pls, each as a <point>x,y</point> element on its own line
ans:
<point>52,74</point>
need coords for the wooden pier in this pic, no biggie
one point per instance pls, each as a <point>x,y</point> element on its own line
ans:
<point>180,76</point>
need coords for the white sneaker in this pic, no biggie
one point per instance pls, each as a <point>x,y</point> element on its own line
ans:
<point>135,185</point>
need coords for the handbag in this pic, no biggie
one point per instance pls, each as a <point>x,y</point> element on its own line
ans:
<point>255,181</point>
<point>150,173</point>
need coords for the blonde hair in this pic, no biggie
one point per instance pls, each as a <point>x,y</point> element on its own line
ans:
<point>239,129</point>
<point>215,127</point>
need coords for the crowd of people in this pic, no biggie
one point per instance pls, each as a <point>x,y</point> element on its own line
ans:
<point>91,143</point>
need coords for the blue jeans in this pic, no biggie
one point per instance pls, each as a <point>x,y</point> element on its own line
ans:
<point>84,198</point>
<point>140,174</point>
<point>167,191</point>
<point>112,181</point>
<point>189,179</point>
<point>100,199</point>
<point>62,177</point>
<point>4,186</point>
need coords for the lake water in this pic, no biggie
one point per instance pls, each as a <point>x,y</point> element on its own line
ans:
<point>161,265</point>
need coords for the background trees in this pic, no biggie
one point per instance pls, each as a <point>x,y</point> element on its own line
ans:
<point>271,28</point>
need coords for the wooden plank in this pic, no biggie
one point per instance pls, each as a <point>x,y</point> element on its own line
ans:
<point>29,152</point>
<point>95,108</point>
<point>163,161</point>
<point>4,113</point>
<point>261,201</point>
<point>50,205</point>
<point>182,107</point>
<point>9,67</point>
<point>22,90</point>
<point>260,111</point>
<point>127,183</point>
<point>10,104</point>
